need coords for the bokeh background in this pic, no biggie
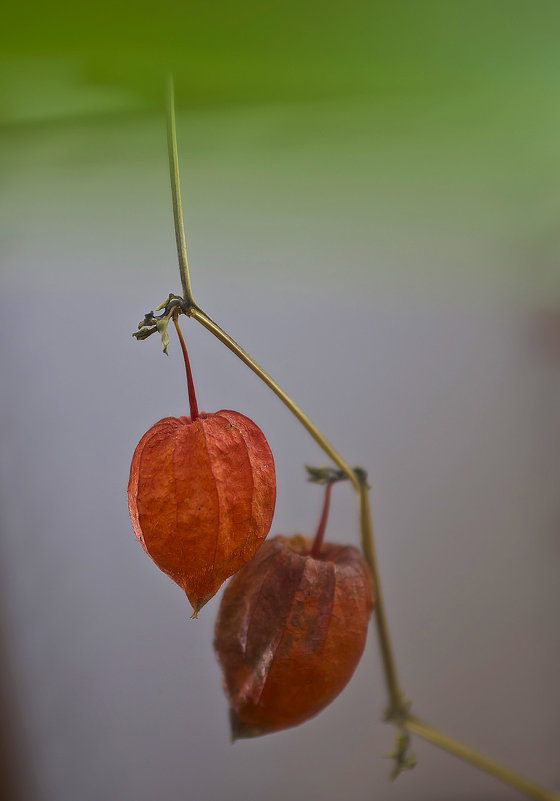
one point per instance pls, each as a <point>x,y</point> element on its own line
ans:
<point>371,195</point>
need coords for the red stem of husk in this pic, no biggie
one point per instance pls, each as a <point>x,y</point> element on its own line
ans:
<point>318,541</point>
<point>190,383</point>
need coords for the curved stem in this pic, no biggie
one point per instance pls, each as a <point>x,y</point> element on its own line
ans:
<point>368,545</point>
<point>319,438</point>
<point>480,761</point>
<point>397,710</point>
<point>395,694</point>
<point>193,406</point>
<point>361,487</point>
<point>320,534</point>
<point>176,194</point>
<point>396,697</point>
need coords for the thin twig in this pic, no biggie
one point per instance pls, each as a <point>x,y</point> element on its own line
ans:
<point>176,194</point>
<point>319,438</point>
<point>480,761</point>
<point>396,698</point>
<point>361,487</point>
<point>397,710</point>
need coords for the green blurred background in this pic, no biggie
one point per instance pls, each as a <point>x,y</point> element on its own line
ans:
<point>413,133</point>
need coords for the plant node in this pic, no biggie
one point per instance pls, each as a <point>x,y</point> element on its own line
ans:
<point>324,474</point>
<point>152,322</point>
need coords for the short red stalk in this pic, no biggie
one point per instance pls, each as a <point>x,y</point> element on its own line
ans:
<point>318,541</point>
<point>190,383</point>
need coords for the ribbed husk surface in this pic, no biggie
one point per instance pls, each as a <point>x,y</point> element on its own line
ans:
<point>290,632</point>
<point>201,498</point>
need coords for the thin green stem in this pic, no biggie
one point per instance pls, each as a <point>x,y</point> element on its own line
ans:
<point>176,194</point>
<point>368,544</point>
<point>480,761</point>
<point>395,694</point>
<point>397,710</point>
<point>396,697</point>
<point>319,438</point>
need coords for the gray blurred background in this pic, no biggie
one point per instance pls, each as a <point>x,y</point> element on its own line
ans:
<point>394,264</point>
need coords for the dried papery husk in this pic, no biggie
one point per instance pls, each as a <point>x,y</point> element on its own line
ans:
<point>201,498</point>
<point>290,632</point>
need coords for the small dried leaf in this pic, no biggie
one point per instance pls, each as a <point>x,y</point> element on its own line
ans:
<point>290,632</point>
<point>161,326</point>
<point>201,498</point>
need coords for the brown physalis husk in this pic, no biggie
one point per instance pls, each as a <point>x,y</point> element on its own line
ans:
<point>290,632</point>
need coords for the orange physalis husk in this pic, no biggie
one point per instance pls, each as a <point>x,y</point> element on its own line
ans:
<point>201,495</point>
<point>290,632</point>
<point>201,498</point>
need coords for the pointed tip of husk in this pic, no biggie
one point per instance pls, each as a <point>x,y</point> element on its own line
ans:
<point>240,730</point>
<point>197,603</point>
